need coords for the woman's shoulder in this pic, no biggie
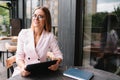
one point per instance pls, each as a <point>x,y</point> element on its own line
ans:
<point>24,31</point>
<point>50,34</point>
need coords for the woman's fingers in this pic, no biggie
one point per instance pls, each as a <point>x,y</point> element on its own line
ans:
<point>24,72</point>
<point>54,67</point>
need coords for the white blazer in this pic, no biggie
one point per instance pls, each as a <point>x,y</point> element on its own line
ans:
<point>27,51</point>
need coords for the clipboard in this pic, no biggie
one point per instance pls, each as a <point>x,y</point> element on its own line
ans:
<point>38,67</point>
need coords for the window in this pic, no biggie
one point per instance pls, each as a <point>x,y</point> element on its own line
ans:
<point>51,4</point>
<point>95,14</point>
<point>4,18</point>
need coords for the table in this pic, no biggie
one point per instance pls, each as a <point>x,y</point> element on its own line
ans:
<point>8,38</point>
<point>96,54</point>
<point>3,48</point>
<point>58,75</point>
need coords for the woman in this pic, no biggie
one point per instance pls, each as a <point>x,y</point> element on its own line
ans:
<point>34,43</point>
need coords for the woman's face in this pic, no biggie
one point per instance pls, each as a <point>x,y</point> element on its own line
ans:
<point>38,18</point>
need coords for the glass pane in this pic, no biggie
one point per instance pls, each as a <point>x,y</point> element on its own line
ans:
<point>101,23</point>
<point>53,7</point>
<point>5,15</point>
<point>28,13</point>
<point>35,3</point>
<point>30,6</point>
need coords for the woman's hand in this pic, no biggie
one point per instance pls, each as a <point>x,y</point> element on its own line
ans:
<point>22,66</point>
<point>55,66</point>
<point>24,72</point>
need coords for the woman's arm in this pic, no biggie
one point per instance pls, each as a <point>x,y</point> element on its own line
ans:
<point>21,64</point>
<point>20,55</point>
<point>55,53</point>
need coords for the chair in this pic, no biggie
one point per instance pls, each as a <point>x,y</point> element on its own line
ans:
<point>3,49</point>
<point>109,48</point>
<point>111,53</point>
<point>10,64</point>
<point>11,47</point>
<point>118,69</point>
<point>7,45</point>
<point>115,41</point>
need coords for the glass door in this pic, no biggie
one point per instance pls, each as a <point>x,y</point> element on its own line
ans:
<point>101,21</point>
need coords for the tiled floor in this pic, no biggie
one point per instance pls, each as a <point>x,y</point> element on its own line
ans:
<point>3,72</point>
<point>3,69</point>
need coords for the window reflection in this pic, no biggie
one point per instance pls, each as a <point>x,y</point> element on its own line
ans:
<point>107,5</point>
<point>95,13</point>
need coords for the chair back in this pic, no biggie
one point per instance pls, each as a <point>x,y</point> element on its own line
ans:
<point>10,61</point>
<point>111,42</point>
